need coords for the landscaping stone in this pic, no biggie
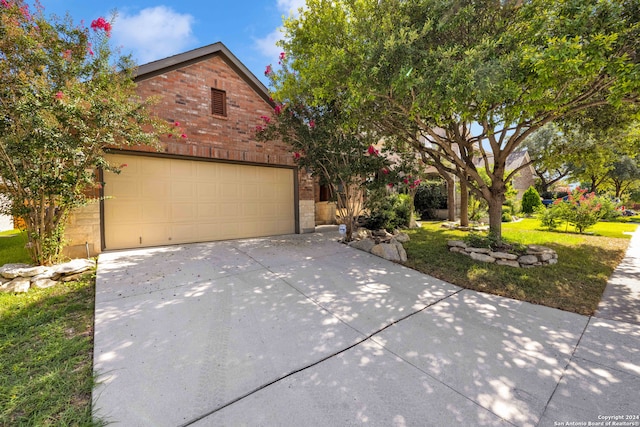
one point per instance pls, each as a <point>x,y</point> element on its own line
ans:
<point>43,283</point>
<point>536,255</point>
<point>364,245</point>
<point>22,277</point>
<point>479,256</point>
<point>11,271</point>
<point>456,244</point>
<point>510,263</point>
<point>528,259</point>
<point>19,285</point>
<point>383,244</point>
<point>478,250</point>
<point>503,255</point>
<point>402,237</point>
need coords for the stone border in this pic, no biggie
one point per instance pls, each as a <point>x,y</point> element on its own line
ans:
<point>535,255</point>
<point>381,243</point>
<point>22,277</point>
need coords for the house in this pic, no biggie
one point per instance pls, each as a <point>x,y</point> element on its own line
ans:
<point>217,183</point>
<point>524,178</point>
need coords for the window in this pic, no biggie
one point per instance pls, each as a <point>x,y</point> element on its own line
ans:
<point>218,102</point>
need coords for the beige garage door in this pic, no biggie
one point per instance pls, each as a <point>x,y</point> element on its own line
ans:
<point>158,201</point>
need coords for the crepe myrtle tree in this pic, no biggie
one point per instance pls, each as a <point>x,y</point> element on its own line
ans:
<point>327,145</point>
<point>463,80</point>
<point>64,98</point>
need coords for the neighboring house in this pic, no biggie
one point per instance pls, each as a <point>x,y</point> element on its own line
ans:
<point>524,178</point>
<point>217,183</point>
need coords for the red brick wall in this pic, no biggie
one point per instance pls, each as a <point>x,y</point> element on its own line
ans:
<point>185,96</point>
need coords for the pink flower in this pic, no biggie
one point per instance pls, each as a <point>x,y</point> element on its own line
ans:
<point>416,182</point>
<point>296,155</point>
<point>312,124</point>
<point>176,124</point>
<point>59,95</point>
<point>170,135</point>
<point>266,119</point>
<point>277,109</point>
<point>183,136</point>
<point>67,54</point>
<point>124,165</point>
<point>372,150</point>
<point>4,3</point>
<point>259,128</point>
<point>390,185</point>
<point>101,24</point>
<point>268,70</point>
<point>282,56</point>
<point>25,12</point>
<point>406,181</point>
<point>385,171</point>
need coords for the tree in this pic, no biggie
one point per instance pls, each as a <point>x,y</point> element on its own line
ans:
<point>427,70</point>
<point>324,144</point>
<point>62,102</point>
<point>548,149</point>
<point>625,173</point>
<point>531,201</point>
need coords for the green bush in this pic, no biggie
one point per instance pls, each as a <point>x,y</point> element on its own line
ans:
<point>530,201</point>
<point>390,212</point>
<point>430,196</point>
<point>507,215</point>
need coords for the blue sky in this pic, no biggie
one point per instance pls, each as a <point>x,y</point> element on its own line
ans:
<point>156,29</point>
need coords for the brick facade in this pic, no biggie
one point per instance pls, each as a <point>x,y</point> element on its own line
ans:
<point>183,86</point>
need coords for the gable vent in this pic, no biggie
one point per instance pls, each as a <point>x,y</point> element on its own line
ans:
<point>218,102</point>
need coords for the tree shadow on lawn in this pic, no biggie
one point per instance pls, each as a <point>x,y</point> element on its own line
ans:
<point>575,283</point>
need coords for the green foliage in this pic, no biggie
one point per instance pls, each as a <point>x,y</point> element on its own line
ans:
<point>507,215</point>
<point>582,210</point>
<point>430,195</point>
<point>477,208</point>
<point>530,201</point>
<point>428,69</point>
<point>62,101</point>
<point>389,212</point>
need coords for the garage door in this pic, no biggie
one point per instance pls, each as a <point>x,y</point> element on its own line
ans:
<point>159,201</point>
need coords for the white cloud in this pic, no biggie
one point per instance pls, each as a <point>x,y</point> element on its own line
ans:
<point>290,5</point>
<point>154,33</point>
<point>267,45</point>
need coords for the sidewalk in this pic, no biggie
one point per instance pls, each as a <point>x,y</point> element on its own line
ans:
<point>621,298</point>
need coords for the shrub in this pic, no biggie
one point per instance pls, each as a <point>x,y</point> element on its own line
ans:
<point>581,209</point>
<point>391,212</point>
<point>530,201</point>
<point>550,218</point>
<point>507,214</point>
<point>430,195</point>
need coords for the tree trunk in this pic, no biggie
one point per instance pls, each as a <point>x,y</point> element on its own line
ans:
<point>451,197</point>
<point>495,216</point>
<point>464,204</point>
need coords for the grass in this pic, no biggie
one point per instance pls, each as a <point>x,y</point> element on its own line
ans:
<point>12,248</point>
<point>46,350</point>
<point>574,284</point>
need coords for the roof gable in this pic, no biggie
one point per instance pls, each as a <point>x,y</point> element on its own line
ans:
<point>181,60</point>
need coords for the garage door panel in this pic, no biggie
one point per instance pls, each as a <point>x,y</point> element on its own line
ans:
<point>157,201</point>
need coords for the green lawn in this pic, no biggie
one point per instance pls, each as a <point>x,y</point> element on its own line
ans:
<point>46,350</point>
<point>574,284</point>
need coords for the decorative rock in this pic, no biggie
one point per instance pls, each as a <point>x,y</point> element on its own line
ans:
<point>18,285</point>
<point>402,237</point>
<point>75,266</point>
<point>553,261</point>
<point>386,251</point>
<point>538,249</point>
<point>401,252</point>
<point>528,259</point>
<point>456,243</point>
<point>362,233</point>
<point>478,250</point>
<point>43,283</point>
<point>458,250</point>
<point>503,255</point>
<point>510,263</point>
<point>364,245</point>
<point>72,277</point>
<point>11,271</point>
<point>478,256</point>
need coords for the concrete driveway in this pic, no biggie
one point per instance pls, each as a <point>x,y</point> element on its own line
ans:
<point>304,331</point>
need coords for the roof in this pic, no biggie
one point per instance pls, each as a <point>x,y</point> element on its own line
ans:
<point>181,60</point>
